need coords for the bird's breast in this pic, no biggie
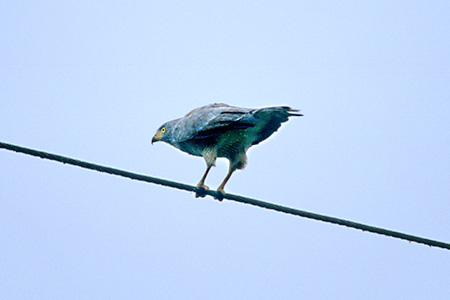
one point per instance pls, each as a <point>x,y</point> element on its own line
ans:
<point>190,147</point>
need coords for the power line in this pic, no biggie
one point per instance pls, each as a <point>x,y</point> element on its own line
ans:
<point>202,192</point>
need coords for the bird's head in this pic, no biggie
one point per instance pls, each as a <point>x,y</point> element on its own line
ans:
<point>163,133</point>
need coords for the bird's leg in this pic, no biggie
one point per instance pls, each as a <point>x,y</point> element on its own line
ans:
<point>237,162</point>
<point>201,183</point>
<point>210,156</point>
<point>220,189</point>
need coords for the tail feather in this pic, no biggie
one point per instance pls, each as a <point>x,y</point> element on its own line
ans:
<point>295,115</point>
<point>292,112</point>
<point>270,119</point>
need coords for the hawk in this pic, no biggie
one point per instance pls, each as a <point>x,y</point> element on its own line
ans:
<point>221,130</point>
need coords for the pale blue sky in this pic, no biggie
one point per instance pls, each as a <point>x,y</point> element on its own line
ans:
<point>93,80</point>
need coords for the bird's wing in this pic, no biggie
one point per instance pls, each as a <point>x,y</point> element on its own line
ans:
<point>269,120</point>
<point>213,120</point>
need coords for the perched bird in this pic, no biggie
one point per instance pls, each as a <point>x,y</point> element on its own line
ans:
<point>221,130</point>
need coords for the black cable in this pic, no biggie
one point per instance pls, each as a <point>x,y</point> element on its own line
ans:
<point>202,192</point>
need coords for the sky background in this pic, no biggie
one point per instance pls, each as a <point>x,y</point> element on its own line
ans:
<point>93,80</point>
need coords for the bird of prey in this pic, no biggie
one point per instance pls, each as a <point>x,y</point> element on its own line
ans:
<point>221,130</point>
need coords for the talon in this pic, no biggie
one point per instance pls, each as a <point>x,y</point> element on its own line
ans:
<point>202,186</point>
<point>200,191</point>
<point>219,195</point>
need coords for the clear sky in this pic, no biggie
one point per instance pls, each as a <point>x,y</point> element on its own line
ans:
<point>93,80</point>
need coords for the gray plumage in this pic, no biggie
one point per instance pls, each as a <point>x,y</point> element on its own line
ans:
<point>220,130</point>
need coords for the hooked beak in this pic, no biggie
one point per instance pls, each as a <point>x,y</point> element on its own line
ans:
<point>156,138</point>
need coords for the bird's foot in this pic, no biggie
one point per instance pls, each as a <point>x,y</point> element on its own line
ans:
<point>220,193</point>
<point>200,191</point>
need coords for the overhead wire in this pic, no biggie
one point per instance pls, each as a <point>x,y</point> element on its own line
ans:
<point>202,192</point>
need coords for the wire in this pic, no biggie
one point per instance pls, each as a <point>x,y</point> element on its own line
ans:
<point>202,192</point>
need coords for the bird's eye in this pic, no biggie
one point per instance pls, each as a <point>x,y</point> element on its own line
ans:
<point>163,129</point>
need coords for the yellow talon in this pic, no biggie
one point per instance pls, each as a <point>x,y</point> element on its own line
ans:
<point>220,195</point>
<point>201,186</point>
